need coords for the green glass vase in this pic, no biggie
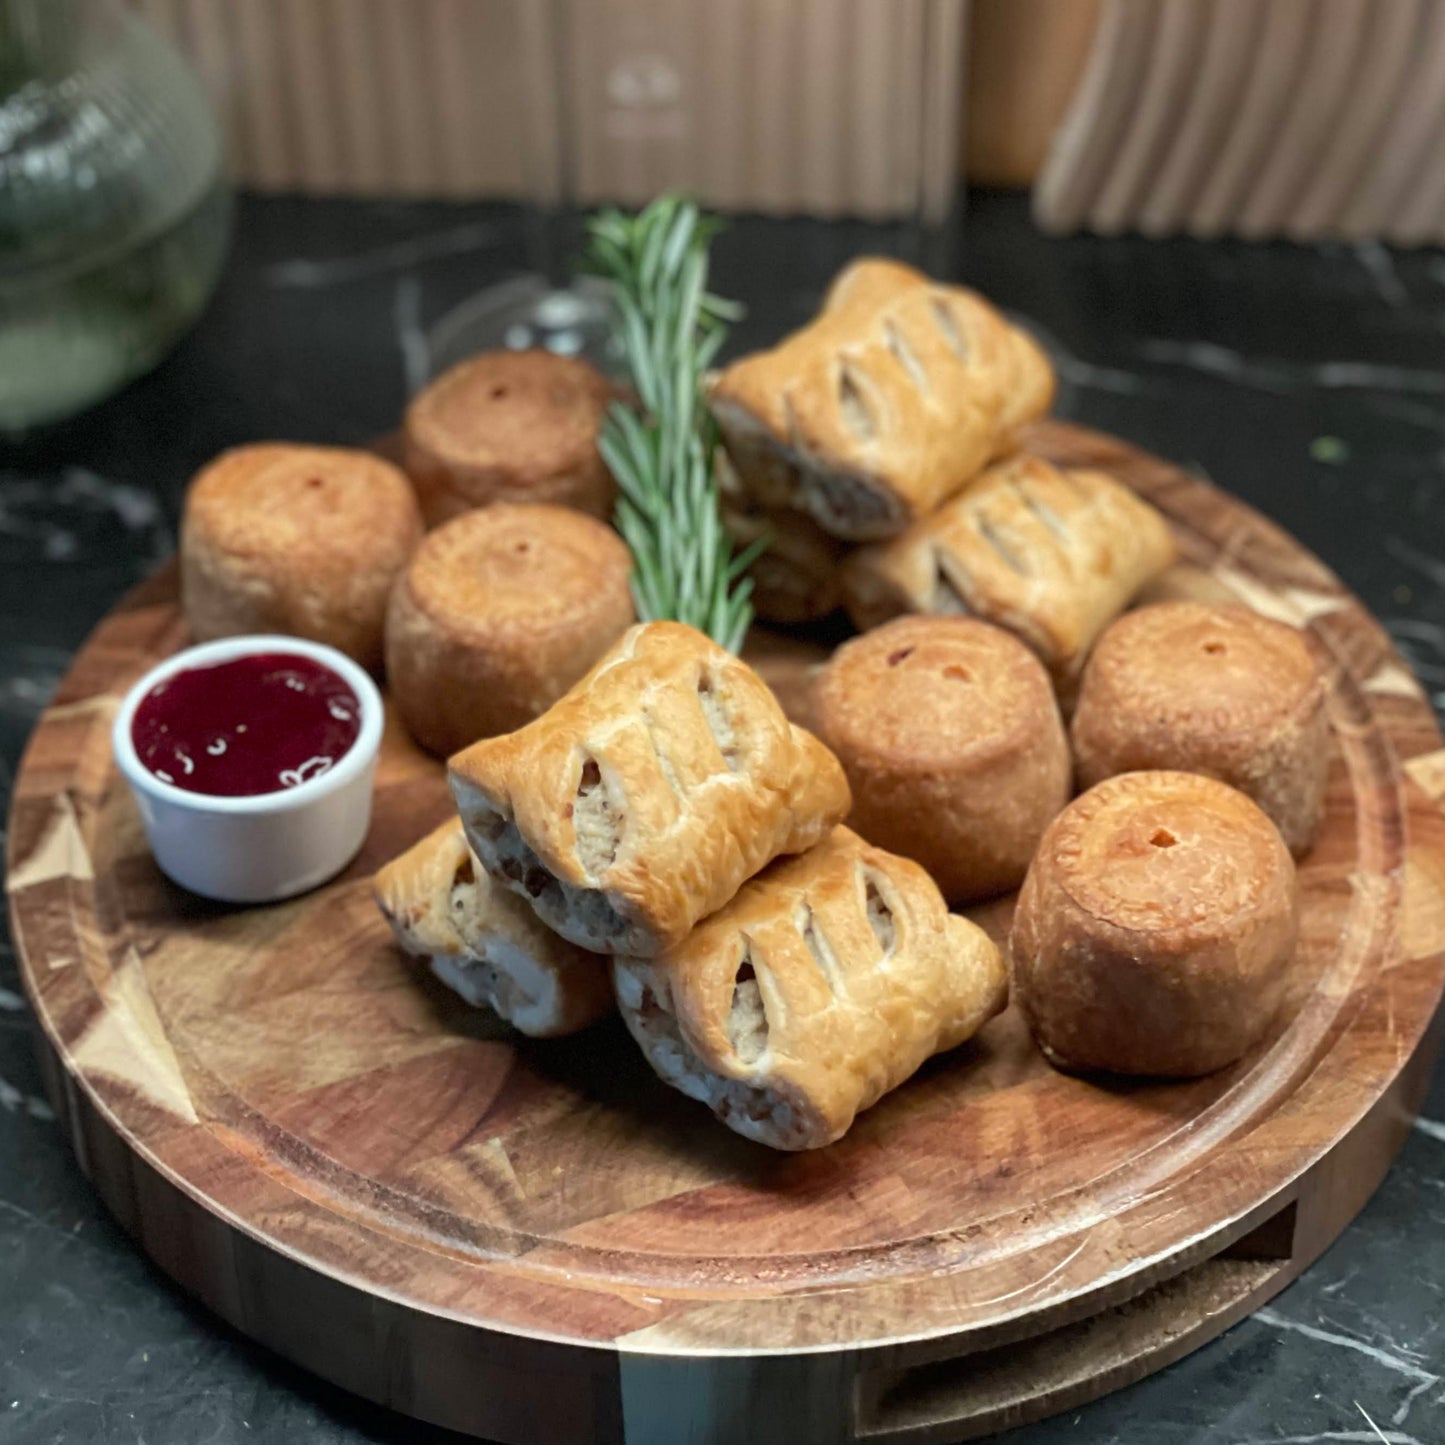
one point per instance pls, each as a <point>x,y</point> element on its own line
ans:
<point>114,209</point>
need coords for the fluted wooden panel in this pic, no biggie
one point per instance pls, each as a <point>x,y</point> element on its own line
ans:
<point>1093,130</point>
<point>1256,118</point>
<point>1384,63</point>
<point>831,107</point>
<point>1218,78</point>
<point>1409,137</point>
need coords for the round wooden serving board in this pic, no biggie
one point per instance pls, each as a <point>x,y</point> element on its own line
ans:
<point>539,1242</point>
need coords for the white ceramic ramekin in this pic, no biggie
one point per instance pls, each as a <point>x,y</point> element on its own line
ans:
<point>273,845</point>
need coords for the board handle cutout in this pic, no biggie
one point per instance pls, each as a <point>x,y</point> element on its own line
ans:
<point>978,1394</point>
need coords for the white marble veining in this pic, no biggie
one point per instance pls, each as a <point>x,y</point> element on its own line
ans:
<point>1282,377</point>
<point>1364,374</point>
<point>410,337</point>
<point>1335,1437</point>
<point>1375,1430</point>
<point>25,694</point>
<point>1402,1412</point>
<point>1343,1282</point>
<point>1219,361</point>
<point>1098,378</point>
<point>1380,265</point>
<point>75,518</point>
<point>1384,1358</point>
<point>1431,568</point>
<point>1430,418</point>
<point>1073,370</point>
<point>14,1102</point>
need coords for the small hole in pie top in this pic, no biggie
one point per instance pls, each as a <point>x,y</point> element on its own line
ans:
<point>955,673</point>
<point>1163,838</point>
<point>894,658</point>
<point>498,392</point>
<point>314,482</point>
<point>1214,647</point>
<point>521,548</point>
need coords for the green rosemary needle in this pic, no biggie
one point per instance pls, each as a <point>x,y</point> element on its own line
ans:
<point>668,509</point>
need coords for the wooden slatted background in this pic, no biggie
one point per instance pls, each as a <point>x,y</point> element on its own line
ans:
<point>1256,118</point>
<point>831,107</point>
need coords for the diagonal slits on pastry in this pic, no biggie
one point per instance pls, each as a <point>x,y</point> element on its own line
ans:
<point>486,945</point>
<point>1052,554</point>
<point>795,579</point>
<point>825,983</point>
<point>644,798</point>
<point>896,394</point>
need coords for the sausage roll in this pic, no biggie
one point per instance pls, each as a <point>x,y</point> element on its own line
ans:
<point>646,796</point>
<point>888,402</point>
<point>824,984</point>
<point>1053,554</point>
<point>485,944</point>
<point>797,577</point>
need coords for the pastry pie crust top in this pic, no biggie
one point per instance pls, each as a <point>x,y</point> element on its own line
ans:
<point>1168,855</point>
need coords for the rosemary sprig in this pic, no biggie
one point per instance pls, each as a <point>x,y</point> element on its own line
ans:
<point>671,328</point>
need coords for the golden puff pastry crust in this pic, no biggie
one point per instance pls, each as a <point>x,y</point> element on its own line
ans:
<point>296,539</point>
<point>1155,928</point>
<point>797,578</point>
<point>827,981</point>
<point>1053,554</point>
<point>1216,690</point>
<point>646,796</point>
<point>890,400</point>
<point>954,749</point>
<point>485,944</point>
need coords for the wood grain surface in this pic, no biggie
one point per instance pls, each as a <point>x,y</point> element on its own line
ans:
<point>539,1242</point>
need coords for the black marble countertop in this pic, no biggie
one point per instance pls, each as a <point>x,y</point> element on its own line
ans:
<point>1311,381</point>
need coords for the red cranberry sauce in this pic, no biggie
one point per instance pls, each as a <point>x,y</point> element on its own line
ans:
<point>256,724</point>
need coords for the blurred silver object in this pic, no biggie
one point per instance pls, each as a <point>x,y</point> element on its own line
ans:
<point>113,204</point>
